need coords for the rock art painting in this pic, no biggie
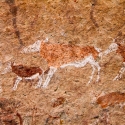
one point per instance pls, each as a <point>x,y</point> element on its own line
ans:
<point>118,46</point>
<point>62,62</point>
<point>13,11</point>
<point>62,55</point>
<point>27,73</point>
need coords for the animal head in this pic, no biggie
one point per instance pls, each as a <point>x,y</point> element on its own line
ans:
<point>34,47</point>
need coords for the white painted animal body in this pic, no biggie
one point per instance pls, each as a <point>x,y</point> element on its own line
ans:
<point>25,72</point>
<point>62,55</point>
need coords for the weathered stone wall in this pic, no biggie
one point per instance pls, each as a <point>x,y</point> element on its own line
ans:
<point>67,100</point>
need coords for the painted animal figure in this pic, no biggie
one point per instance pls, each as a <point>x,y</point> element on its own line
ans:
<point>62,55</point>
<point>27,73</point>
<point>119,47</point>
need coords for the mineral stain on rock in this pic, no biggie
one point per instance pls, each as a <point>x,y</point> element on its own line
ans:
<point>111,99</point>
<point>13,11</point>
<point>58,101</point>
<point>8,112</point>
<point>94,2</point>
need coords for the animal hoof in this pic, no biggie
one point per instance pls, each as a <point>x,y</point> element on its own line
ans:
<point>116,78</point>
<point>97,81</point>
<point>44,86</point>
<point>14,89</point>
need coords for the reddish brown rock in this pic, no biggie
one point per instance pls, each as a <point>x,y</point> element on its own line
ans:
<point>58,101</point>
<point>8,113</point>
<point>111,99</point>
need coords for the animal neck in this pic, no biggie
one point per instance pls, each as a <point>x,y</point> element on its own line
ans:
<point>112,47</point>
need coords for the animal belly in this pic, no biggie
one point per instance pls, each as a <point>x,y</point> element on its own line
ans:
<point>33,76</point>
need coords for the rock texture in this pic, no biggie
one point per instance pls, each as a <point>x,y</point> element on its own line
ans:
<point>67,100</point>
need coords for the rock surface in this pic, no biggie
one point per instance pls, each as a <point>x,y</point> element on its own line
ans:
<point>67,100</point>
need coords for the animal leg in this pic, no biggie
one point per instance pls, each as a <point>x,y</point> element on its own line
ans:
<point>49,76</point>
<point>119,75</point>
<point>82,63</point>
<point>35,76</point>
<point>98,75</point>
<point>94,63</point>
<point>91,77</point>
<point>40,80</point>
<point>17,82</point>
